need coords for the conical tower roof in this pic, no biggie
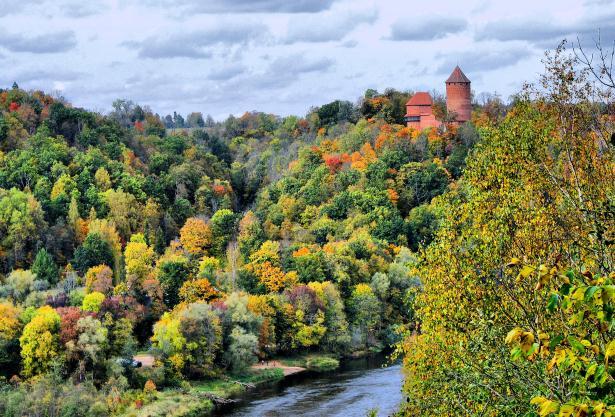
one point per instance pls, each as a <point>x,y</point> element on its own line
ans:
<point>457,76</point>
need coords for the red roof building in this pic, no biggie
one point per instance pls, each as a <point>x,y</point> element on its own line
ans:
<point>419,109</point>
<point>419,112</point>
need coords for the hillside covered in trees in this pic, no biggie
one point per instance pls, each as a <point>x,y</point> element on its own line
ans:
<point>208,245</point>
<point>516,309</point>
<point>482,252</point>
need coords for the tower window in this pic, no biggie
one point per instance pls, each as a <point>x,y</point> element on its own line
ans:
<point>413,118</point>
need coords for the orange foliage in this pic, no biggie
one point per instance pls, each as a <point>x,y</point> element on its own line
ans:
<point>301,252</point>
<point>81,229</point>
<point>329,146</point>
<point>196,236</point>
<point>393,196</point>
<point>272,276</point>
<point>198,290</point>
<point>369,155</point>
<point>218,189</point>
<point>357,161</point>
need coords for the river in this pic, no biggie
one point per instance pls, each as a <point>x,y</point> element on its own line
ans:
<point>358,386</point>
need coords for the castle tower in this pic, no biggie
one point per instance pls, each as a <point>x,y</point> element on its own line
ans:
<point>458,95</point>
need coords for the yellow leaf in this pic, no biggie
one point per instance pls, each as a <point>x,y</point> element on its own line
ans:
<point>525,272</point>
<point>513,335</point>
<point>513,262</point>
<point>609,351</point>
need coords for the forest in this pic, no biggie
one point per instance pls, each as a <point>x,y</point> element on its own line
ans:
<point>208,246</point>
<point>482,253</point>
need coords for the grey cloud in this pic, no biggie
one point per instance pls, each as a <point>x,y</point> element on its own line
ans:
<point>40,44</point>
<point>226,73</point>
<point>351,43</point>
<point>70,8</point>
<point>280,73</point>
<point>245,6</point>
<point>426,30</point>
<point>548,34</point>
<point>79,8</point>
<point>476,61</point>
<point>599,2</point>
<point>326,28</point>
<point>197,44</point>
<point>15,6</point>
<point>296,64</point>
<point>528,31</point>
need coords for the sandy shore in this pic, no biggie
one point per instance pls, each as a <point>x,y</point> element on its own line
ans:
<point>288,370</point>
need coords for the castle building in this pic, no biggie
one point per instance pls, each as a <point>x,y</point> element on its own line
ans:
<point>419,109</point>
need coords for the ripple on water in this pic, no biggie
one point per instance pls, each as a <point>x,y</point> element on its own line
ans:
<point>344,394</point>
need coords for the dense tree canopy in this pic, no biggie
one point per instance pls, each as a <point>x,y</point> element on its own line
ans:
<point>210,245</point>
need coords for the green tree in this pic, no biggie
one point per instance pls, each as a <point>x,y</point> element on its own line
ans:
<point>242,350</point>
<point>21,224</point>
<point>94,251</point>
<point>366,312</point>
<point>91,342</point>
<point>45,268</point>
<point>201,328</point>
<point>223,227</point>
<point>172,272</point>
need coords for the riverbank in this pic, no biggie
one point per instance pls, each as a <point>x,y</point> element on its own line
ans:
<point>357,387</point>
<point>274,364</point>
<point>200,397</point>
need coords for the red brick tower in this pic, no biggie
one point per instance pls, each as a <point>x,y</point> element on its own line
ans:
<point>458,95</point>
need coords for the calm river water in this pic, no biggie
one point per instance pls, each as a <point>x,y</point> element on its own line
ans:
<point>360,385</point>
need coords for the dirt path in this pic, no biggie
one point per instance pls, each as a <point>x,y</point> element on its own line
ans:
<point>288,370</point>
<point>147,361</point>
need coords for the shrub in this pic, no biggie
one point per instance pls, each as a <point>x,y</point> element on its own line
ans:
<point>322,363</point>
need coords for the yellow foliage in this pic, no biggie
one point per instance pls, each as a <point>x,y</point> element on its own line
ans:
<point>196,236</point>
<point>9,321</point>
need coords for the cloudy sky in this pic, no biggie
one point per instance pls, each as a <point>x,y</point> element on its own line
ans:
<point>280,56</point>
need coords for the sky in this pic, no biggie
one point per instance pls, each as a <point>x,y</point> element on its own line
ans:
<point>224,57</point>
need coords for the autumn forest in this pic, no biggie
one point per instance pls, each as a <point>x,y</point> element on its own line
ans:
<point>155,265</point>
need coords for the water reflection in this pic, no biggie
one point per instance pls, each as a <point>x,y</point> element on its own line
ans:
<point>360,386</point>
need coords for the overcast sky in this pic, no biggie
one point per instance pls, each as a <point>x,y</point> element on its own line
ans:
<point>280,56</point>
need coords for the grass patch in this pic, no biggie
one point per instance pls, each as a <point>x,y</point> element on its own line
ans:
<point>322,363</point>
<point>192,401</point>
<point>299,361</point>
<point>228,387</point>
<point>313,362</point>
<point>262,375</point>
<point>218,387</point>
<point>173,403</point>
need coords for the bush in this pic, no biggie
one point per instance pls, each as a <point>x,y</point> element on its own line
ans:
<point>322,363</point>
<point>141,375</point>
